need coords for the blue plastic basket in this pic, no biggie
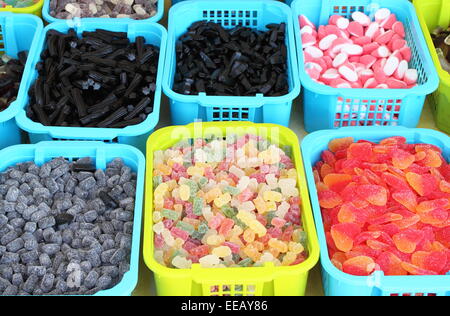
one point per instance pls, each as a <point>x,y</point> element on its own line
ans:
<point>259,109</point>
<point>322,103</point>
<point>288,2</point>
<point>101,154</point>
<point>336,282</point>
<point>17,32</point>
<point>50,19</point>
<point>135,135</point>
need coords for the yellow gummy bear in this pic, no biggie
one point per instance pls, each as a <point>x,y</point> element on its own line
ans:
<point>222,200</point>
<point>222,251</point>
<point>185,192</point>
<point>272,196</point>
<point>162,189</point>
<point>292,173</point>
<point>271,206</point>
<point>196,171</point>
<point>157,217</point>
<point>258,228</point>
<point>296,248</point>
<point>289,259</point>
<point>159,203</point>
<point>260,205</point>
<point>249,235</point>
<point>212,194</point>
<point>215,240</point>
<point>278,245</point>
<point>165,170</point>
<point>245,217</point>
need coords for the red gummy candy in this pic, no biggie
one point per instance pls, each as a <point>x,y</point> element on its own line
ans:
<point>340,144</point>
<point>402,159</point>
<point>360,151</point>
<point>415,270</point>
<point>348,213</point>
<point>337,182</point>
<point>329,199</point>
<point>423,184</point>
<point>406,241</point>
<point>407,198</point>
<point>361,266</point>
<point>434,261</point>
<point>344,235</point>
<point>390,264</point>
<point>374,194</point>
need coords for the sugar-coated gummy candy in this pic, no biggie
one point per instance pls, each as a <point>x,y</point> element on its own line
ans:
<point>385,206</point>
<point>241,209</point>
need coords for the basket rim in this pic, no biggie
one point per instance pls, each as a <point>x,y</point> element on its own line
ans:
<point>14,108</point>
<point>250,101</point>
<point>444,76</point>
<point>35,8</point>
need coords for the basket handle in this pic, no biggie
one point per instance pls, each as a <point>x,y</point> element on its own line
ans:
<point>238,276</point>
<point>324,12</point>
<point>444,16</point>
<point>396,285</point>
<point>227,101</point>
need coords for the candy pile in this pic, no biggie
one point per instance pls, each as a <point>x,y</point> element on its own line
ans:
<point>11,71</point>
<point>441,40</point>
<point>226,203</point>
<point>17,3</point>
<point>98,80</point>
<point>65,228</point>
<point>237,62</point>
<point>360,53</point>
<point>134,9</point>
<point>385,206</point>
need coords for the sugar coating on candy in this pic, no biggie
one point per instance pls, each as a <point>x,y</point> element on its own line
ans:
<point>72,239</point>
<point>17,3</point>
<point>11,71</point>
<point>246,213</point>
<point>135,9</point>
<point>385,206</point>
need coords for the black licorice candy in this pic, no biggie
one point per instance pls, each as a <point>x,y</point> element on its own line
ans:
<point>91,80</point>
<point>237,61</point>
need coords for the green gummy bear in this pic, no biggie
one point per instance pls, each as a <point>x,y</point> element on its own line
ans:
<point>170,214</point>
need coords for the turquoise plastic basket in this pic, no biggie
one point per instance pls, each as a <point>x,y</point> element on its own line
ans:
<point>322,103</point>
<point>288,2</point>
<point>259,109</point>
<point>336,282</point>
<point>50,19</point>
<point>102,154</point>
<point>17,33</point>
<point>135,135</point>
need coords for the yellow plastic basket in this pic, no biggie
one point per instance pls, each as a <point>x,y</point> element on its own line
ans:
<point>431,14</point>
<point>35,9</point>
<point>253,281</point>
